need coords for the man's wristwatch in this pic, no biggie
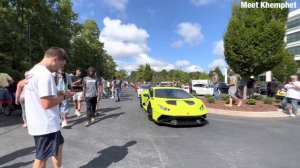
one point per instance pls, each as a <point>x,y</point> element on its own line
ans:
<point>65,97</point>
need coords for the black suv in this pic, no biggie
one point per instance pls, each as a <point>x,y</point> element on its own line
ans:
<point>223,87</point>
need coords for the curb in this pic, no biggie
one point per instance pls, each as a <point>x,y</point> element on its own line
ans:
<point>268,114</point>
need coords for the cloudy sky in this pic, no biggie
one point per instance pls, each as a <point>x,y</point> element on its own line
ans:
<point>167,34</point>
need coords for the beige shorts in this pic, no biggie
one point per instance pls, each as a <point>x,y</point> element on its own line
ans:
<point>232,91</point>
<point>77,96</point>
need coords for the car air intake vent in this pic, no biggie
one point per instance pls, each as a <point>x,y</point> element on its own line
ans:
<point>171,102</point>
<point>190,102</point>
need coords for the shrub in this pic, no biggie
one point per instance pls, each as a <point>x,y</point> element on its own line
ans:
<point>258,97</point>
<point>210,99</point>
<point>224,97</point>
<point>268,100</point>
<point>251,101</point>
<point>207,96</point>
<point>277,100</point>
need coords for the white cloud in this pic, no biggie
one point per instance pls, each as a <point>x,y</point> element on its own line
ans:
<point>189,32</point>
<point>157,65</point>
<point>201,2</point>
<point>128,67</point>
<point>193,68</point>
<point>219,48</point>
<point>182,63</point>
<point>119,5</point>
<point>143,59</point>
<point>129,41</point>
<point>217,63</point>
<point>123,40</point>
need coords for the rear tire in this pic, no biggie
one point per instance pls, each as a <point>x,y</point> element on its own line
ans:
<point>7,111</point>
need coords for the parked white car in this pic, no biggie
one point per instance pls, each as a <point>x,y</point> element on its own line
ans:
<point>202,89</point>
<point>141,88</point>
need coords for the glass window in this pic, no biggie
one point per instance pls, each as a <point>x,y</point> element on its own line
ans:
<point>293,23</point>
<point>172,93</point>
<point>294,50</point>
<point>151,92</point>
<point>293,37</point>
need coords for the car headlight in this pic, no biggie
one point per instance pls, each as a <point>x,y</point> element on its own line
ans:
<point>202,107</point>
<point>163,108</point>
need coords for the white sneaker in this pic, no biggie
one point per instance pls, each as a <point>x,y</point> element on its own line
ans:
<point>64,124</point>
<point>281,110</point>
<point>112,97</point>
<point>78,113</point>
<point>92,120</point>
<point>292,115</point>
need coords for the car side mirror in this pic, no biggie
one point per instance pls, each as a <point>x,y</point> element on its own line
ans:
<point>146,95</point>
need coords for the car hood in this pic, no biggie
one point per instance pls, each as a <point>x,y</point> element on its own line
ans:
<point>180,107</point>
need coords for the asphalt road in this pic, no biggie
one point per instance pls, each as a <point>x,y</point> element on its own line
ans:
<point>123,137</point>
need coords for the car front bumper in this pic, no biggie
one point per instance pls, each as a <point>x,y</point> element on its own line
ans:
<point>182,120</point>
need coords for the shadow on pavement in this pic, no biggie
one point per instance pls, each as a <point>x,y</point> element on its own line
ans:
<point>110,155</point>
<point>114,116</point>
<point>125,99</point>
<point>14,119</point>
<point>105,110</point>
<point>16,154</point>
<point>99,118</point>
<point>18,165</point>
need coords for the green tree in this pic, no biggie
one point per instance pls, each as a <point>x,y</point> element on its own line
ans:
<point>88,51</point>
<point>147,73</point>
<point>28,28</point>
<point>122,74</point>
<point>287,67</point>
<point>254,39</point>
<point>219,72</point>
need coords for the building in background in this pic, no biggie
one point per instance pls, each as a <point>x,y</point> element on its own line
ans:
<point>292,37</point>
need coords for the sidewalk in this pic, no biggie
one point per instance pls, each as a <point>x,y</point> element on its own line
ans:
<point>269,114</point>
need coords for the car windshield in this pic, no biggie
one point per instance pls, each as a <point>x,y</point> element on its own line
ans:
<point>145,87</point>
<point>172,93</point>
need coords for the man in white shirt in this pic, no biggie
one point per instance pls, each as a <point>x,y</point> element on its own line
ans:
<point>42,100</point>
<point>292,95</point>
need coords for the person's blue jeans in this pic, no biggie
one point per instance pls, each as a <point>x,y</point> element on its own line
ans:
<point>216,92</point>
<point>117,94</point>
<point>294,104</point>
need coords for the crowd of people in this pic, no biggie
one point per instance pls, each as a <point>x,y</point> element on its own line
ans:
<point>44,95</point>
<point>291,88</point>
<point>46,90</point>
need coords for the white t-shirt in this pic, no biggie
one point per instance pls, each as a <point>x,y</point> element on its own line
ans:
<point>293,91</point>
<point>40,83</point>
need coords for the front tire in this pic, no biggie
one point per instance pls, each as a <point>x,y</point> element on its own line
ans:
<point>150,114</point>
<point>141,104</point>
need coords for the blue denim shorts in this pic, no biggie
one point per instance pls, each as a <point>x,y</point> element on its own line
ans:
<point>4,94</point>
<point>47,145</point>
<point>64,106</point>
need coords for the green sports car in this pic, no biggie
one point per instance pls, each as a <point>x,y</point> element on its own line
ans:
<point>174,106</point>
